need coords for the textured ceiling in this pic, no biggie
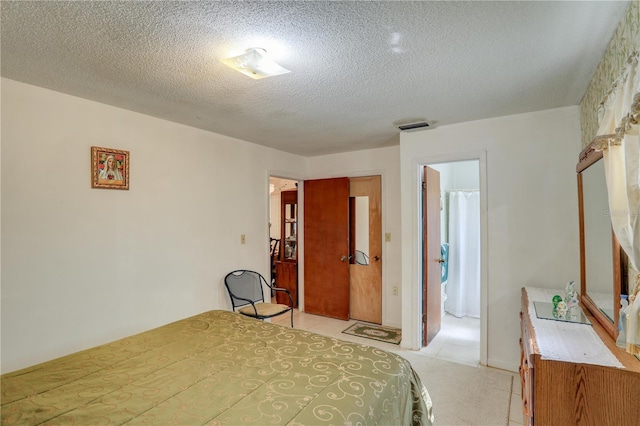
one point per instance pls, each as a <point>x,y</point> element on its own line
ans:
<point>357,68</point>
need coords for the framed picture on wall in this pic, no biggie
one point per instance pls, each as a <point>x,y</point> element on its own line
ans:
<point>109,168</point>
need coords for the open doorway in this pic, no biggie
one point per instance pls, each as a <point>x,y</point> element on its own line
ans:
<point>460,249</point>
<point>276,186</point>
<point>283,235</point>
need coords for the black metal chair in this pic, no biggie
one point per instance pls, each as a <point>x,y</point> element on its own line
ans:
<point>247,295</point>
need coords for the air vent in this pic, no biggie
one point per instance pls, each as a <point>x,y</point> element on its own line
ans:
<point>413,126</point>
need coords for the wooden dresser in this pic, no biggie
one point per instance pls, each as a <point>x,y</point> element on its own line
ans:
<point>556,392</point>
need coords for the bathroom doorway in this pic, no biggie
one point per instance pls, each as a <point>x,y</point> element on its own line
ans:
<point>459,336</point>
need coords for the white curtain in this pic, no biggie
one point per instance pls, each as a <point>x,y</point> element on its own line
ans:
<point>463,284</point>
<point>618,138</point>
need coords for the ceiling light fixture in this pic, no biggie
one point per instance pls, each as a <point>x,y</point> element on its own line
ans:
<point>254,63</point>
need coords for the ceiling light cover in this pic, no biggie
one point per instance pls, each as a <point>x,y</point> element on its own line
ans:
<point>254,63</point>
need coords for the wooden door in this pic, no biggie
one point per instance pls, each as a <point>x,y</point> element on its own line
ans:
<point>366,275</point>
<point>326,247</point>
<point>432,289</point>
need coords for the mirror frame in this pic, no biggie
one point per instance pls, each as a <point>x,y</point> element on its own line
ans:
<point>589,156</point>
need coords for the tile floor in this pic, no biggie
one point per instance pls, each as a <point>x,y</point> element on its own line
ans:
<point>458,341</point>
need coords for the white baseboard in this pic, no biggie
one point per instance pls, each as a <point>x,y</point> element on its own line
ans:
<point>503,365</point>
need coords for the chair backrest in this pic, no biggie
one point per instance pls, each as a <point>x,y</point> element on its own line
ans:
<point>274,249</point>
<point>245,284</point>
<point>361,258</point>
<point>274,246</point>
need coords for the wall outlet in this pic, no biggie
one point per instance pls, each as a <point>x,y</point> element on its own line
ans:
<point>395,290</point>
<point>387,236</point>
<point>243,239</point>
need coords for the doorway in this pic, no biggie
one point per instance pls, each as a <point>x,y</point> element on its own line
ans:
<point>276,186</point>
<point>283,194</point>
<point>358,289</point>
<point>461,307</point>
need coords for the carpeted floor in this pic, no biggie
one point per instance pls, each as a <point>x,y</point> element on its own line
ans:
<point>464,395</point>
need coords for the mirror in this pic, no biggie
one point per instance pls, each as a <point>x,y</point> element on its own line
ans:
<point>359,230</point>
<point>598,257</point>
<point>601,259</point>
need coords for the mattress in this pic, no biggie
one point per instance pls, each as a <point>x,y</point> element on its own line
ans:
<point>219,368</point>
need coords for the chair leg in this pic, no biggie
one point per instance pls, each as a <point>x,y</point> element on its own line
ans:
<point>292,318</point>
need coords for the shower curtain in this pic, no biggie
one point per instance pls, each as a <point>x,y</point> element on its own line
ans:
<point>463,284</point>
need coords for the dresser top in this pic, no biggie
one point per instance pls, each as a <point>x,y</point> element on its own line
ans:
<point>566,341</point>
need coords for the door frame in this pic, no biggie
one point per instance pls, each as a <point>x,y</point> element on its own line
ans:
<point>300,243</point>
<point>412,287</point>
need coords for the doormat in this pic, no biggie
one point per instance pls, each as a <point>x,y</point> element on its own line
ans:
<point>375,332</point>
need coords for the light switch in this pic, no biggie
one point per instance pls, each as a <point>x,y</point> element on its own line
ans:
<point>387,236</point>
<point>243,239</point>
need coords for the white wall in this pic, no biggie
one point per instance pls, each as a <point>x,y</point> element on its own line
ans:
<point>532,212</point>
<point>83,266</point>
<point>274,215</point>
<point>384,162</point>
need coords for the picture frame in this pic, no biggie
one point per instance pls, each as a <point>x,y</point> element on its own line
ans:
<point>109,168</point>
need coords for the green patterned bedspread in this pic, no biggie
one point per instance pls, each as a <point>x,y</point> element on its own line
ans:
<point>219,368</point>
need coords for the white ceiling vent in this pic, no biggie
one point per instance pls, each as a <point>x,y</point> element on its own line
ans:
<point>413,126</point>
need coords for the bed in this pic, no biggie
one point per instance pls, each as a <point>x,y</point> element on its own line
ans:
<point>219,368</point>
